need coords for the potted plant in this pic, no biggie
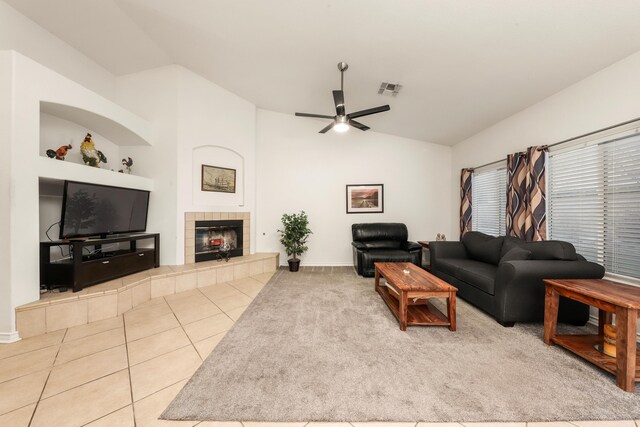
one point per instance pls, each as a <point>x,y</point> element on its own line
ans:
<point>294,237</point>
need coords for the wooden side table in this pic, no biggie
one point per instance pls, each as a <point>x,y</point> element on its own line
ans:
<point>425,245</point>
<point>610,298</point>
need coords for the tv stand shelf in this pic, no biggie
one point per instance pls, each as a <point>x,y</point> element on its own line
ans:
<point>101,265</point>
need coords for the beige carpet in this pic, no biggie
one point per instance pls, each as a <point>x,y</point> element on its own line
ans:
<point>321,345</point>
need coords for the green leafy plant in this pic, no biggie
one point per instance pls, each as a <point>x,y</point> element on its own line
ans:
<point>295,233</point>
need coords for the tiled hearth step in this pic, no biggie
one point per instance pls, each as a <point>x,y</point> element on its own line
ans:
<point>56,311</point>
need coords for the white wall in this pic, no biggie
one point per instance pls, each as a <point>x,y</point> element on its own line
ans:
<point>215,127</point>
<point>17,32</point>
<point>6,135</point>
<point>188,112</point>
<point>299,169</point>
<point>153,95</point>
<point>603,99</point>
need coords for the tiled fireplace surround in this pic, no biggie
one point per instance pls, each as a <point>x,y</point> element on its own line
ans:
<point>62,310</point>
<point>190,219</point>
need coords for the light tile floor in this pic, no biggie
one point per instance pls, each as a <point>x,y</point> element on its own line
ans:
<point>124,371</point>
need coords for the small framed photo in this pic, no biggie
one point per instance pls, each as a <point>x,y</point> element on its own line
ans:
<point>218,179</point>
<point>365,198</point>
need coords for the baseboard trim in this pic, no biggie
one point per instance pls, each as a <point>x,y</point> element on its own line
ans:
<point>9,337</point>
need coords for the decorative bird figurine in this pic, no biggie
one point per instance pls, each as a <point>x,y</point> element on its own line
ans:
<point>60,153</point>
<point>127,164</point>
<point>90,155</point>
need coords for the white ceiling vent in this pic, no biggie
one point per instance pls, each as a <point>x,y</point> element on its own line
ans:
<point>388,88</point>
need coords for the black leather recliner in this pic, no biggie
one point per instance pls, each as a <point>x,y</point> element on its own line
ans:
<point>382,242</point>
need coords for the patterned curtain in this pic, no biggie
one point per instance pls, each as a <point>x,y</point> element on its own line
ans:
<point>465,201</point>
<point>526,194</point>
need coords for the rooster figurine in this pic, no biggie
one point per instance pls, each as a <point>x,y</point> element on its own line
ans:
<point>90,155</point>
<point>60,153</point>
<point>127,164</point>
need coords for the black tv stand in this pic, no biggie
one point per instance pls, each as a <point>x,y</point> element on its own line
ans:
<point>102,264</point>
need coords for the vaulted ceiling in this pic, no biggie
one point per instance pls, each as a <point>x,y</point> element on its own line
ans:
<point>463,64</point>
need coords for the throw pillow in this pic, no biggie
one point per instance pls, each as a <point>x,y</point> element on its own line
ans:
<point>509,243</point>
<point>482,247</point>
<point>551,249</point>
<point>516,254</point>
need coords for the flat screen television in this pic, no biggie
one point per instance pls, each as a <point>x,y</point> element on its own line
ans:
<point>99,210</point>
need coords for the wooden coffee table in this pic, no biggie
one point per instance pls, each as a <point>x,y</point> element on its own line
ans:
<point>408,291</point>
<point>610,298</point>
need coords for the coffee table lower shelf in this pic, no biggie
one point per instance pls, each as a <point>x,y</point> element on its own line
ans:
<point>422,313</point>
<point>584,346</point>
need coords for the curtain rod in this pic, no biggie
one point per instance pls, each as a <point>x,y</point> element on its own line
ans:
<point>564,141</point>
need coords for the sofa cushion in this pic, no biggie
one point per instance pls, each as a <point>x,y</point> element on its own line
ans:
<point>449,266</point>
<point>388,255</point>
<point>510,242</point>
<point>516,254</point>
<point>552,249</point>
<point>478,274</point>
<point>482,247</point>
<point>545,250</point>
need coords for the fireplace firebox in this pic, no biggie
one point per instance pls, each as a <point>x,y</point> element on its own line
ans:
<point>217,239</point>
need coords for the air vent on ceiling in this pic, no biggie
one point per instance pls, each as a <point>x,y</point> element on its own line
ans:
<point>388,88</point>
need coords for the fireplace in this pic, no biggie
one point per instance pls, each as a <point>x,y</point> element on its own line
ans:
<point>190,219</point>
<point>213,239</point>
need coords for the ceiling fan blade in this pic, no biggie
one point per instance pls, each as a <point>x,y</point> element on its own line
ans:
<point>338,98</point>
<point>358,125</point>
<point>318,116</point>
<point>368,112</point>
<point>326,129</point>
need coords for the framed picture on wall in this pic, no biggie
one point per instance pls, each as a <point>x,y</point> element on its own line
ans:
<point>365,198</point>
<point>218,179</point>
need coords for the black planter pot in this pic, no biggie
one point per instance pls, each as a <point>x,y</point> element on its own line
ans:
<point>294,264</point>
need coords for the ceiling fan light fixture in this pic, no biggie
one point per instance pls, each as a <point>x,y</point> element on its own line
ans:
<point>342,121</point>
<point>341,124</point>
<point>341,127</point>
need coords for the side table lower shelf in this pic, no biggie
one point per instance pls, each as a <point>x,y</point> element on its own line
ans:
<point>584,346</point>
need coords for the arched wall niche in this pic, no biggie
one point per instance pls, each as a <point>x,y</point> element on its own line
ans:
<point>216,155</point>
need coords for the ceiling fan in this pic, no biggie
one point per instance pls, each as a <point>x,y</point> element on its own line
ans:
<point>342,121</point>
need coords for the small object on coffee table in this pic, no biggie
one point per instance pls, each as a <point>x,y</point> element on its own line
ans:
<point>409,301</point>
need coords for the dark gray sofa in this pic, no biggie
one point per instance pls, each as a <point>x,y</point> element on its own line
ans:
<point>382,242</point>
<point>503,275</point>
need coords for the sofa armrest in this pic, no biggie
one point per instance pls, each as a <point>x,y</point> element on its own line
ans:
<point>519,287</point>
<point>412,246</point>
<point>359,246</point>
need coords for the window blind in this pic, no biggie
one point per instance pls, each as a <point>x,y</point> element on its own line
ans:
<point>594,202</point>
<point>489,201</point>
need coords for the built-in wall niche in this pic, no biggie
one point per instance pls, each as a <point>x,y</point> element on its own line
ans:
<point>50,204</point>
<point>50,212</point>
<point>223,157</point>
<point>118,137</point>
<point>56,132</point>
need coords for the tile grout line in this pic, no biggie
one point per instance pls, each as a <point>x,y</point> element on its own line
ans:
<point>94,334</point>
<point>222,311</point>
<point>106,415</point>
<point>126,348</point>
<point>86,355</point>
<point>188,337</point>
<point>47,380</point>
